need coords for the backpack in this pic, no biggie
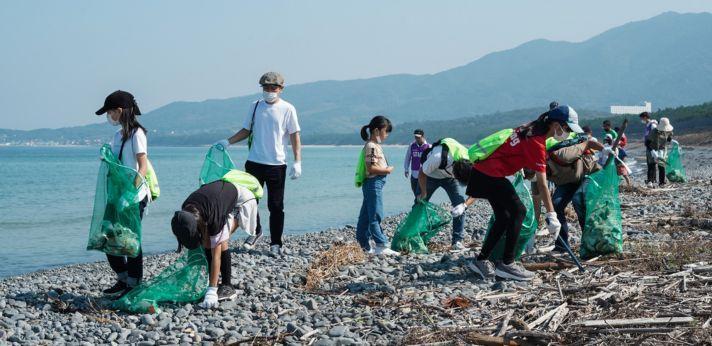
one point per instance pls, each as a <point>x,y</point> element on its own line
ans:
<point>151,177</point>
<point>360,169</point>
<point>659,139</point>
<point>244,179</point>
<point>570,164</point>
<point>486,146</point>
<point>449,146</point>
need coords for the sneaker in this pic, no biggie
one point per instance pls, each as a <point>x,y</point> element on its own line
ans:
<point>385,251</point>
<point>512,271</point>
<point>275,249</point>
<point>483,268</point>
<point>118,287</point>
<point>370,251</point>
<point>226,292</point>
<point>458,246</point>
<point>650,185</point>
<point>252,240</point>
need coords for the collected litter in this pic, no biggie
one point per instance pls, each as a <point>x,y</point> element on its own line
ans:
<point>423,222</point>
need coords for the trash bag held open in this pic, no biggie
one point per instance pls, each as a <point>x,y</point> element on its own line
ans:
<point>217,163</point>
<point>603,230</point>
<point>674,169</point>
<point>423,222</point>
<point>184,281</point>
<point>529,224</point>
<point>116,222</point>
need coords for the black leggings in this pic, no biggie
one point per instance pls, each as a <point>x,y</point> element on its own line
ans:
<point>225,265</point>
<point>273,177</point>
<point>509,212</point>
<point>133,266</point>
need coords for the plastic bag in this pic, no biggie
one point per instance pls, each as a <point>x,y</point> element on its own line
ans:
<point>184,281</point>
<point>529,224</point>
<point>674,169</point>
<point>217,163</point>
<point>423,222</point>
<point>116,221</point>
<point>603,229</point>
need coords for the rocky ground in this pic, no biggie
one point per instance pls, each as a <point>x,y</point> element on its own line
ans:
<point>413,299</point>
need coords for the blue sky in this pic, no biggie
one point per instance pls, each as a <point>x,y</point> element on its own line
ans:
<point>60,59</point>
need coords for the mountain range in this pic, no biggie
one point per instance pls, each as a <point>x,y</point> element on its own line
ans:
<point>663,59</point>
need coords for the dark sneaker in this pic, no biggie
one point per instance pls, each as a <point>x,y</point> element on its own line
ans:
<point>252,240</point>
<point>226,292</point>
<point>483,268</point>
<point>512,271</point>
<point>118,287</point>
<point>124,292</point>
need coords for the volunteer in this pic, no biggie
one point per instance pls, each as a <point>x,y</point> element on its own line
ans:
<point>411,165</point>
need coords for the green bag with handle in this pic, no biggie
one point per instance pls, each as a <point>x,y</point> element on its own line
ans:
<point>217,163</point>
<point>674,170</point>
<point>486,146</point>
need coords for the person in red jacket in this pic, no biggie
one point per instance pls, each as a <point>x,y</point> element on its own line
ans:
<point>525,148</point>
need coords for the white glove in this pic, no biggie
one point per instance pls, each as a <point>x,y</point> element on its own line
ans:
<point>296,170</point>
<point>211,298</point>
<point>407,174</point>
<point>224,143</point>
<point>608,150</point>
<point>458,210</point>
<point>552,224</point>
<point>654,154</point>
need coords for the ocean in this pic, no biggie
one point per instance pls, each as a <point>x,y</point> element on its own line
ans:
<point>47,196</point>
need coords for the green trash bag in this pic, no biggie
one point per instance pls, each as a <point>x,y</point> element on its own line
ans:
<point>116,222</point>
<point>674,169</point>
<point>603,230</point>
<point>423,222</point>
<point>184,281</point>
<point>217,163</point>
<point>529,224</point>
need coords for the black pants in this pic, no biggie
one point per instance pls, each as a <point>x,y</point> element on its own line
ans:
<point>660,173</point>
<point>133,266</point>
<point>509,212</point>
<point>273,177</point>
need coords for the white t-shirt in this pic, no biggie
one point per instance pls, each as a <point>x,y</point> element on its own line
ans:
<point>431,166</point>
<point>136,144</point>
<point>273,125</point>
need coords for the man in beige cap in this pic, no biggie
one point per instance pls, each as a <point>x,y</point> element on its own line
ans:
<point>269,121</point>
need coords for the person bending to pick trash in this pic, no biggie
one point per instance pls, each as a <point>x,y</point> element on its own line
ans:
<point>208,217</point>
<point>525,148</point>
<point>436,172</point>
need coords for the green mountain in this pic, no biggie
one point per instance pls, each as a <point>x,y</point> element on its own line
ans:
<point>663,59</point>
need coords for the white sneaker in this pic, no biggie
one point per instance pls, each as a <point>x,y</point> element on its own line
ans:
<point>650,185</point>
<point>458,246</point>
<point>275,249</point>
<point>385,251</point>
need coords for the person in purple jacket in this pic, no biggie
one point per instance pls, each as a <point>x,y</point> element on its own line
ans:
<point>412,159</point>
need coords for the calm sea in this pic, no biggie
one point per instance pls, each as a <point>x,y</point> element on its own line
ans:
<point>47,194</point>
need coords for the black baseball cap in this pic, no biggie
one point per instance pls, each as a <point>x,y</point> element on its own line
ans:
<point>119,98</point>
<point>419,132</point>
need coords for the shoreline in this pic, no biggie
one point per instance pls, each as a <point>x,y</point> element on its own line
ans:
<point>407,300</point>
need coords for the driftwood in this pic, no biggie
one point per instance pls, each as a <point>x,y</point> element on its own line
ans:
<point>634,322</point>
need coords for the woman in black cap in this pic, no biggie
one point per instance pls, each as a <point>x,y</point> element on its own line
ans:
<point>130,146</point>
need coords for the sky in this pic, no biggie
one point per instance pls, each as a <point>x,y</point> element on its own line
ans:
<point>60,59</point>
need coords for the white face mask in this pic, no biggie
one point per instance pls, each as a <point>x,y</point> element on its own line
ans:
<point>561,136</point>
<point>378,137</point>
<point>112,121</point>
<point>270,96</point>
<point>645,122</point>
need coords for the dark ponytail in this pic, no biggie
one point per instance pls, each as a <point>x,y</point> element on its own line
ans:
<point>378,122</point>
<point>129,123</point>
<point>461,170</point>
<point>538,127</point>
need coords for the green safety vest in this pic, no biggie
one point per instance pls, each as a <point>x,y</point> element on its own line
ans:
<point>244,179</point>
<point>551,141</point>
<point>486,146</point>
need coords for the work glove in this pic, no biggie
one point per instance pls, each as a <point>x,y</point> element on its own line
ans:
<point>407,174</point>
<point>458,210</point>
<point>654,154</point>
<point>552,224</point>
<point>296,170</point>
<point>224,143</point>
<point>608,150</point>
<point>211,299</point>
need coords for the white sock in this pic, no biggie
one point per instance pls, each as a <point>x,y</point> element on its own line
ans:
<point>122,276</point>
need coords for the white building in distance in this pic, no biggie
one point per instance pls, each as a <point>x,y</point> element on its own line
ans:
<point>632,109</point>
